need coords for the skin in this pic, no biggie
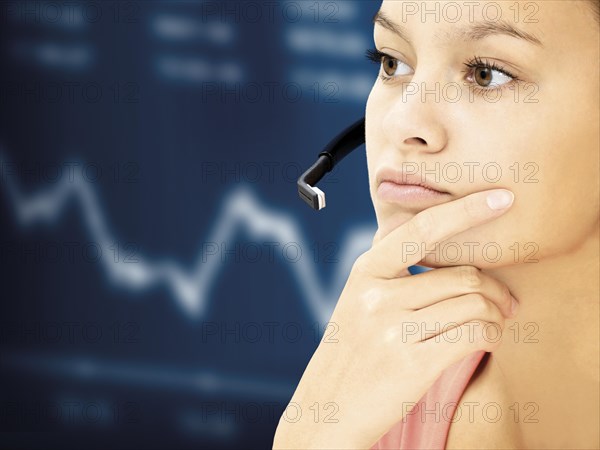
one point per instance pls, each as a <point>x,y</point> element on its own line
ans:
<point>559,213</point>
<point>557,295</point>
<point>547,133</point>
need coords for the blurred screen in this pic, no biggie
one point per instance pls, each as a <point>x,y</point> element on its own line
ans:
<point>163,286</point>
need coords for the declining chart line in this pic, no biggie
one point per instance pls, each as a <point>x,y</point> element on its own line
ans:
<point>190,288</point>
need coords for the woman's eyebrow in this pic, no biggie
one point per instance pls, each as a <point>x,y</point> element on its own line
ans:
<point>472,32</point>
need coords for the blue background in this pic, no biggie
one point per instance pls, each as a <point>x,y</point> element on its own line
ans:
<point>150,152</point>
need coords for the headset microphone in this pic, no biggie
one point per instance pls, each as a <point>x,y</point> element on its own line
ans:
<point>342,145</point>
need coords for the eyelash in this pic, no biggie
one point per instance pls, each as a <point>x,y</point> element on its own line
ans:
<point>376,56</point>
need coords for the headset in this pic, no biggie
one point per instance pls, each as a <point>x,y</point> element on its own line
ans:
<point>337,149</point>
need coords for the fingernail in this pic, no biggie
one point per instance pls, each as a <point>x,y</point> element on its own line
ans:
<point>501,199</point>
<point>514,307</point>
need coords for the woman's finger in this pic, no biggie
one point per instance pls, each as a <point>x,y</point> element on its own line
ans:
<point>427,288</point>
<point>443,316</point>
<point>456,343</point>
<point>393,254</point>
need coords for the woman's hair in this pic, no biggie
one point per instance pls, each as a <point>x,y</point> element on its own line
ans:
<point>595,5</point>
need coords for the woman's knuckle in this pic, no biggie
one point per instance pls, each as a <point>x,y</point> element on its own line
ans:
<point>482,306</point>
<point>471,206</point>
<point>372,300</point>
<point>392,334</point>
<point>470,277</point>
<point>421,226</point>
<point>362,264</point>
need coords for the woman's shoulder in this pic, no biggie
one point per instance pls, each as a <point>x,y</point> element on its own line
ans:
<point>484,416</point>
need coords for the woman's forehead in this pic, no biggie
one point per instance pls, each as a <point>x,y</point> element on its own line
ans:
<point>541,23</point>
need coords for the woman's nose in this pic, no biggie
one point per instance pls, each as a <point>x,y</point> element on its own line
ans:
<point>415,119</point>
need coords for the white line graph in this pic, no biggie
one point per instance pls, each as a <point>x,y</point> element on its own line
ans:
<point>191,287</point>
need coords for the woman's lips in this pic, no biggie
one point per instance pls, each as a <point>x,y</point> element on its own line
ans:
<point>410,195</point>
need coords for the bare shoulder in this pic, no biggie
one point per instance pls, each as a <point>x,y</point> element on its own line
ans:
<point>485,415</point>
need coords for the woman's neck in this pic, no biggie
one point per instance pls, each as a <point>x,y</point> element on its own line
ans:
<point>559,308</point>
<point>549,355</point>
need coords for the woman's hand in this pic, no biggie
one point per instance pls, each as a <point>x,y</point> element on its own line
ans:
<point>393,334</point>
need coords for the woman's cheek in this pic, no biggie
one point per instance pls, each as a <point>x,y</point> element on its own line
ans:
<point>495,244</point>
<point>373,136</point>
<point>537,226</point>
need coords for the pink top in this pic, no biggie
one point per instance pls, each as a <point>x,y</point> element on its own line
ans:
<point>427,424</point>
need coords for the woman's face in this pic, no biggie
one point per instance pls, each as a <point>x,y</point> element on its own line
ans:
<point>469,129</point>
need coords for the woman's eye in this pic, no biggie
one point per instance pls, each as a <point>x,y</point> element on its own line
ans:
<point>392,67</point>
<point>482,74</point>
<point>490,78</point>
